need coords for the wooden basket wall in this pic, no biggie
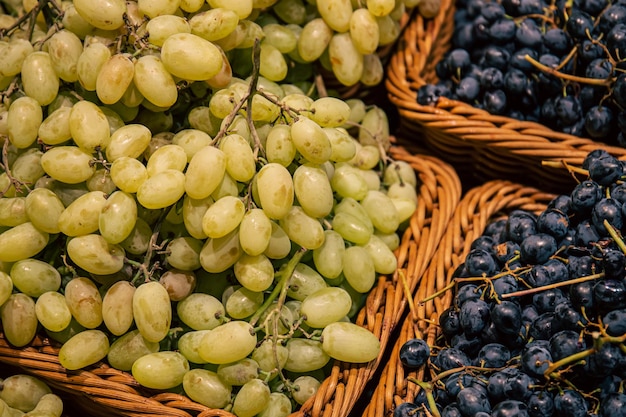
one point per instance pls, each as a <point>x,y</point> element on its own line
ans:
<point>476,142</point>
<point>477,209</point>
<point>101,391</point>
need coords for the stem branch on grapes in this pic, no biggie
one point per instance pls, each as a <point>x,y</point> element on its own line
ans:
<point>13,182</point>
<point>551,286</point>
<point>146,268</point>
<point>583,80</point>
<point>615,235</point>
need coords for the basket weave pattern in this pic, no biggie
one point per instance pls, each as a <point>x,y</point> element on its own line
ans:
<point>477,209</point>
<point>103,391</point>
<point>474,141</point>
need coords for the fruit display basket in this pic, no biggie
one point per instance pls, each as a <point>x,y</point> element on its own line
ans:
<point>479,144</point>
<point>479,206</point>
<point>100,390</point>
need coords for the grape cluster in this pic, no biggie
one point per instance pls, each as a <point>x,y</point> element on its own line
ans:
<point>554,62</point>
<point>537,324</point>
<point>24,395</point>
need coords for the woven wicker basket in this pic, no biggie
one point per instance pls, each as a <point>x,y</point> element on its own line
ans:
<point>476,142</point>
<point>477,209</point>
<point>103,391</point>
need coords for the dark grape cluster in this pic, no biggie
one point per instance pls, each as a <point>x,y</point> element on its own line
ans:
<point>574,81</point>
<point>537,326</point>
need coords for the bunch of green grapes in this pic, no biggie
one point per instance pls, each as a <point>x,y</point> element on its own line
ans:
<point>24,395</point>
<point>206,232</point>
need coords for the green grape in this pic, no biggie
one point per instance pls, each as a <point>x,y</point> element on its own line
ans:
<point>6,286</point>
<point>298,102</point>
<point>367,157</point>
<point>313,190</point>
<point>343,147</point>
<point>84,349</point>
<point>304,281</point>
<point>223,216</point>
<point>49,405</point>
<point>336,13</point>
<point>305,355</point>
<point>152,311</point>
<point>23,121</point>
<point>243,303</point>
<point>68,164</point>
<point>358,268</point>
<point>402,191</point>
<point>270,356</point>
<point>228,342</point>
<point>404,207</point>
<point>290,11</point>
<point>129,347</point>
<point>310,140</point>
<point>238,373</point>
<point>252,398</point>
<point>130,141</point>
<point>114,78</point>
<point>34,277</point>
<point>128,174</point>
<point>372,179</point>
<point>373,70</point>
<point>385,262</point>
<point>279,148</point>
<point>161,27</point>
<point>219,254</point>
<point>117,307</point>
<point>348,342</point>
<point>90,61</point>
<point>107,15</point>
<point>346,61</point>
<point>101,181</point>
<point>280,37</point>
<point>214,24</point>
<point>326,306</point>
<point>13,54</point>
<point>330,111</point>
<point>13,211</point>
<point>381,211</point>
<point>64,335</point>
<point>255,273</point>
<point>364,31</point>
<point>189,343</point>
<point>23,392</point>
<point>328,258</point>
<point>162,189</point>
<point>55,128</point>
<point>65,48</point>
<point>206,388</point>
<point>275,190</point>
<point>400,172</point>
<point>351,228</point>
<point>223,101</point>
<point>193,212</point>
<point>388,29</point>
<point>201,118</point>
<point>160,370</point>
<point>303,229</point>
<point>255,231</point>
<point>279,406</point>
<point>314,39</point>
<point>375,129</point>
<point>240,160</point>
<point>347,182</point>
<point>95,255</point>
<point>279,245</point>
<point>205,172</point>
<point>118,217</point>
<point>19,319</point>
<point>39,79</point>
<point>27,166</point>
<point>184,253</point>
<point>138,241</point>
<point>201,311</point>
<point>273,65</point>
<point>166,157</point>
<point>306,387</point>
<point>191,140</point>
<point>84,302</point>
<point>227,187</point>
<point>21,242</point>
<point>87,208</point>
<point>191,57</point>
<point>89,126</point>
<point>154,81</point>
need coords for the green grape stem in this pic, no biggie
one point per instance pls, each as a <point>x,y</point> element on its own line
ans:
<point>591,81</point>
<point>615,235</point>
<point>281,287</point>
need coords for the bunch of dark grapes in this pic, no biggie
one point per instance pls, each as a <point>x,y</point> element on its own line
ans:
<point>560,63</point>
<point>537,327</point>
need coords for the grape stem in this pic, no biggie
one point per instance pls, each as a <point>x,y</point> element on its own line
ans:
<point>555,285</point>
<point>615,235</point>
<point>281,287</point>
<point>17,184</point>
<point>428,387</point>
<point>583,80</point>
<point>144,269</point>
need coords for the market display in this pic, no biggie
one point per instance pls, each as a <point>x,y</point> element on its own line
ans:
<point>535,327</point>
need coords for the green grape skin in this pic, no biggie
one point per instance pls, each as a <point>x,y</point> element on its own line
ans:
<point>162,189</point>
<point>189,343</point>
<point>201,311</point>
<point>304,282</point>
<point>279,244</point>
<point>89,126</point>
<point>206,388</point>
<point>27,166</point>
<point>138,241</point>
<point>348,183</point>
<point>68,164</point>
<point>84,349</point>
<point>310,140</point>
<point>303,229</point>
<point>94,254</point>
<point>160,370</point>
<point>223,216</point>
<point>19,319</point>
<point>275,190</point>
<point>255,273</point>
<point>326,306</point>
<point>191,140</point>
<point>343,146</point>
<point>351,228</point>
<point>229,342</point>
<point>64,335</point>
<point>84,302</point>
<point>23,392</point>
<point>307,387</point>
<point>219,254</point>
<point>166,157</point>
<point>118,216</point>
<point>271,356</point>
<point>238,373</point>
<point>128,141</point>
<point>21,242</point>
<point>117,311</point>
<point>184,253</point>
<point>381,211</point>
<point>279,148</point>
<point>152,311</point>
<point>255,231</point>
<point>399,172</point>
<point>313,39</point>
<point>313,190</point>
<point>87,208</point>
<point>52,311</point>
<point>328,258</point>
<point>23,121</point>
<point>367,157</point>
<point>34,277</point>
<point>205,172</point>
<point>214,24</point>
<point>252,398</point>
<point>13,211</point>
<point>242,303</point>
<point>279,406</point>
<point>305,355</point>
<point>127,348</point>
<point>349,342</point>
<point>193,212</point>
<point>240,160</point>
<point>49,405</point>
<point>385,261</point>
<point>6,286</point>
<point>358,268</point>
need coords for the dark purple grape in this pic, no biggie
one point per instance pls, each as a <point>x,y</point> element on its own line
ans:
<point>610,210</point>
<point>450,358</point>
<point>585,195</point>
<point>567,317</point>
<point>611,17</point>
<point>507,317</point>
<point>568,110</point>
<point>543,327</point>
<point>493,355</point>
<point>497,230</point>
<point>406,410</point>
<point>502,30</point>
<point>599,121</point>
<point>520,225</point>
<point>470,346</point>
<point>449,322</point>
<point>614,264</point>
<point>535,359</point>
<point>570,403</point>
<point>473,316</point>
<point>504,285</point>
<point>457,381</point>
<point>468,292</point>
<point>547,300</point>
<point>615,322</point>
<point>472,400</point>
<point>619,90</point>
<point>414,353</point>
<point>609,294</point>
<point>479,262</point>
<point>528,34</point>
<point>557,41</point>
<point>616,41</point>
<point>588,50</point>
<point>586,234</point>
<point>429,94</point>
<point>505,251</point>
<point>579,25</point>
<point>495,384</point>
<point>468,89</point>
<point>537,248</point>
<point>553,222</point>
<point>491,79</point>
<point>605,360</point>
<point>561,203</point>
<point>495,101</point>
<point>518,386</point>
<point>593,7</point>
<point>492,11</point>
<point>566,343</point>
<point>608,385</point>
<point>614,405</point>
<point>605,170</point>
<point>594,156</point>
<point>581,295</point>
<point>529,314</point>
<point>451,410</point>
<point>541,404</point>
<point>483,242</point>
